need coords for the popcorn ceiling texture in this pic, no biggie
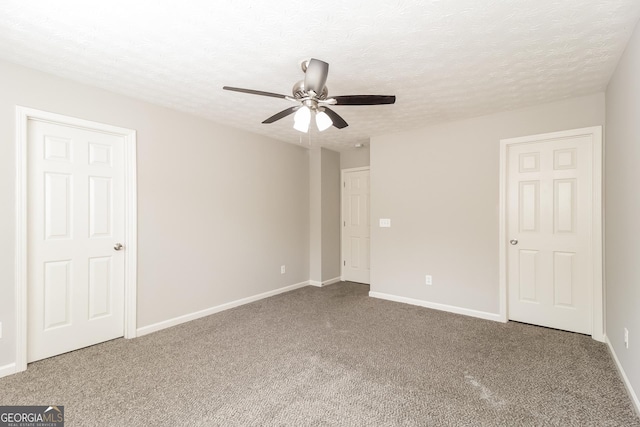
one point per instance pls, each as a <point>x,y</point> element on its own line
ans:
<point>444,60</point>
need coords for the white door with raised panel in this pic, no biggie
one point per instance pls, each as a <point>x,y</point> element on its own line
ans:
<point>75,227</point>
<point>356,226</point>
<point>550,198</point>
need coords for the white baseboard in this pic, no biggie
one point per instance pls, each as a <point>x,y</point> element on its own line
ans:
<point>325,283</point>
<point>625,380</point>
<point>212,310</point>
<point>437,306</point>
<point>9,369</point>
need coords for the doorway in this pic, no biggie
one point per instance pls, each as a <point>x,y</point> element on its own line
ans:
<point>551,230</point>
<point>356,225</point>
<point>76,233</point>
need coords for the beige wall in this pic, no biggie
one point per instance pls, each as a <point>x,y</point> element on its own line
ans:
<point>354,158</point>
<point>330,215</point>
<point>324,223</point>
<point>439,186</point>
<point>315,215</point>
<point>622,210</point>
<point>219,209</point>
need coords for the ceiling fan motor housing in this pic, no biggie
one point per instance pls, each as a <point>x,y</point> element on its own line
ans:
<point>299,91</point>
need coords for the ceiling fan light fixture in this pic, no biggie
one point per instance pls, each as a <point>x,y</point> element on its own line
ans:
<point>302,119</point>
<point>323,121</point>
<point>301,126</point>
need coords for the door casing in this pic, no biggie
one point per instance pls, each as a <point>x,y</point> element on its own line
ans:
<point>23,115</point>
<point>597,303</point>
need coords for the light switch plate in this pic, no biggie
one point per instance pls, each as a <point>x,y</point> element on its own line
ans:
<point>385,222</point>
<point>626,338</point>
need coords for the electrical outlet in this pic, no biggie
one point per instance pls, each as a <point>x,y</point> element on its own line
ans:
<point>283,269</point>
<point>626,337</point>
<point>428,280</point>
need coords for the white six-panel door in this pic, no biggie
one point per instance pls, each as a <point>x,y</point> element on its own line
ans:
<point>75,217</point>
<point>356,226</point>
<point>549,215</point>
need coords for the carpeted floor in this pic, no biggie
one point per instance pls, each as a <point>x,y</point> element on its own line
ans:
<point>333,356</point>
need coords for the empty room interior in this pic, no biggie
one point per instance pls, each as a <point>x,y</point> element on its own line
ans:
<point>321,213</point>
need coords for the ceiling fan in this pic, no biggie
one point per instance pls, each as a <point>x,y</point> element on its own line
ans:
<point>311,95</point>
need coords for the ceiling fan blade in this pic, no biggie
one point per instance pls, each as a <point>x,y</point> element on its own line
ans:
<point>316,75</point>
<point>336,119</point>
<point>282,114</point>
<point>364,99</point>
<point>254,92</point>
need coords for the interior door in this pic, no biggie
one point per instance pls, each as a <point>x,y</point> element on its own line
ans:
<point>75,225</point>
<point>549,215</point>
<point>356,226</point>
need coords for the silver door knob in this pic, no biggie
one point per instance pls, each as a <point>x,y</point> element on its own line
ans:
<point>118,246</point>
<point>513,242</point>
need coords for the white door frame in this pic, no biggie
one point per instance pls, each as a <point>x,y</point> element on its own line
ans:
<point>342,172</point>
<point>597,292</point>
<point>23,115</point>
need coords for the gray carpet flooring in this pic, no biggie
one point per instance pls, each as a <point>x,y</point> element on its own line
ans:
<point>335,357</point>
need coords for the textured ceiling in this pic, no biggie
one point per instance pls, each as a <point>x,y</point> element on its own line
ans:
<point>444,60</point>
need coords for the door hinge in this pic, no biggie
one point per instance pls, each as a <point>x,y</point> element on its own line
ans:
<point>344,263</point>
<point>344,184</point>
<point>344,223</point>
